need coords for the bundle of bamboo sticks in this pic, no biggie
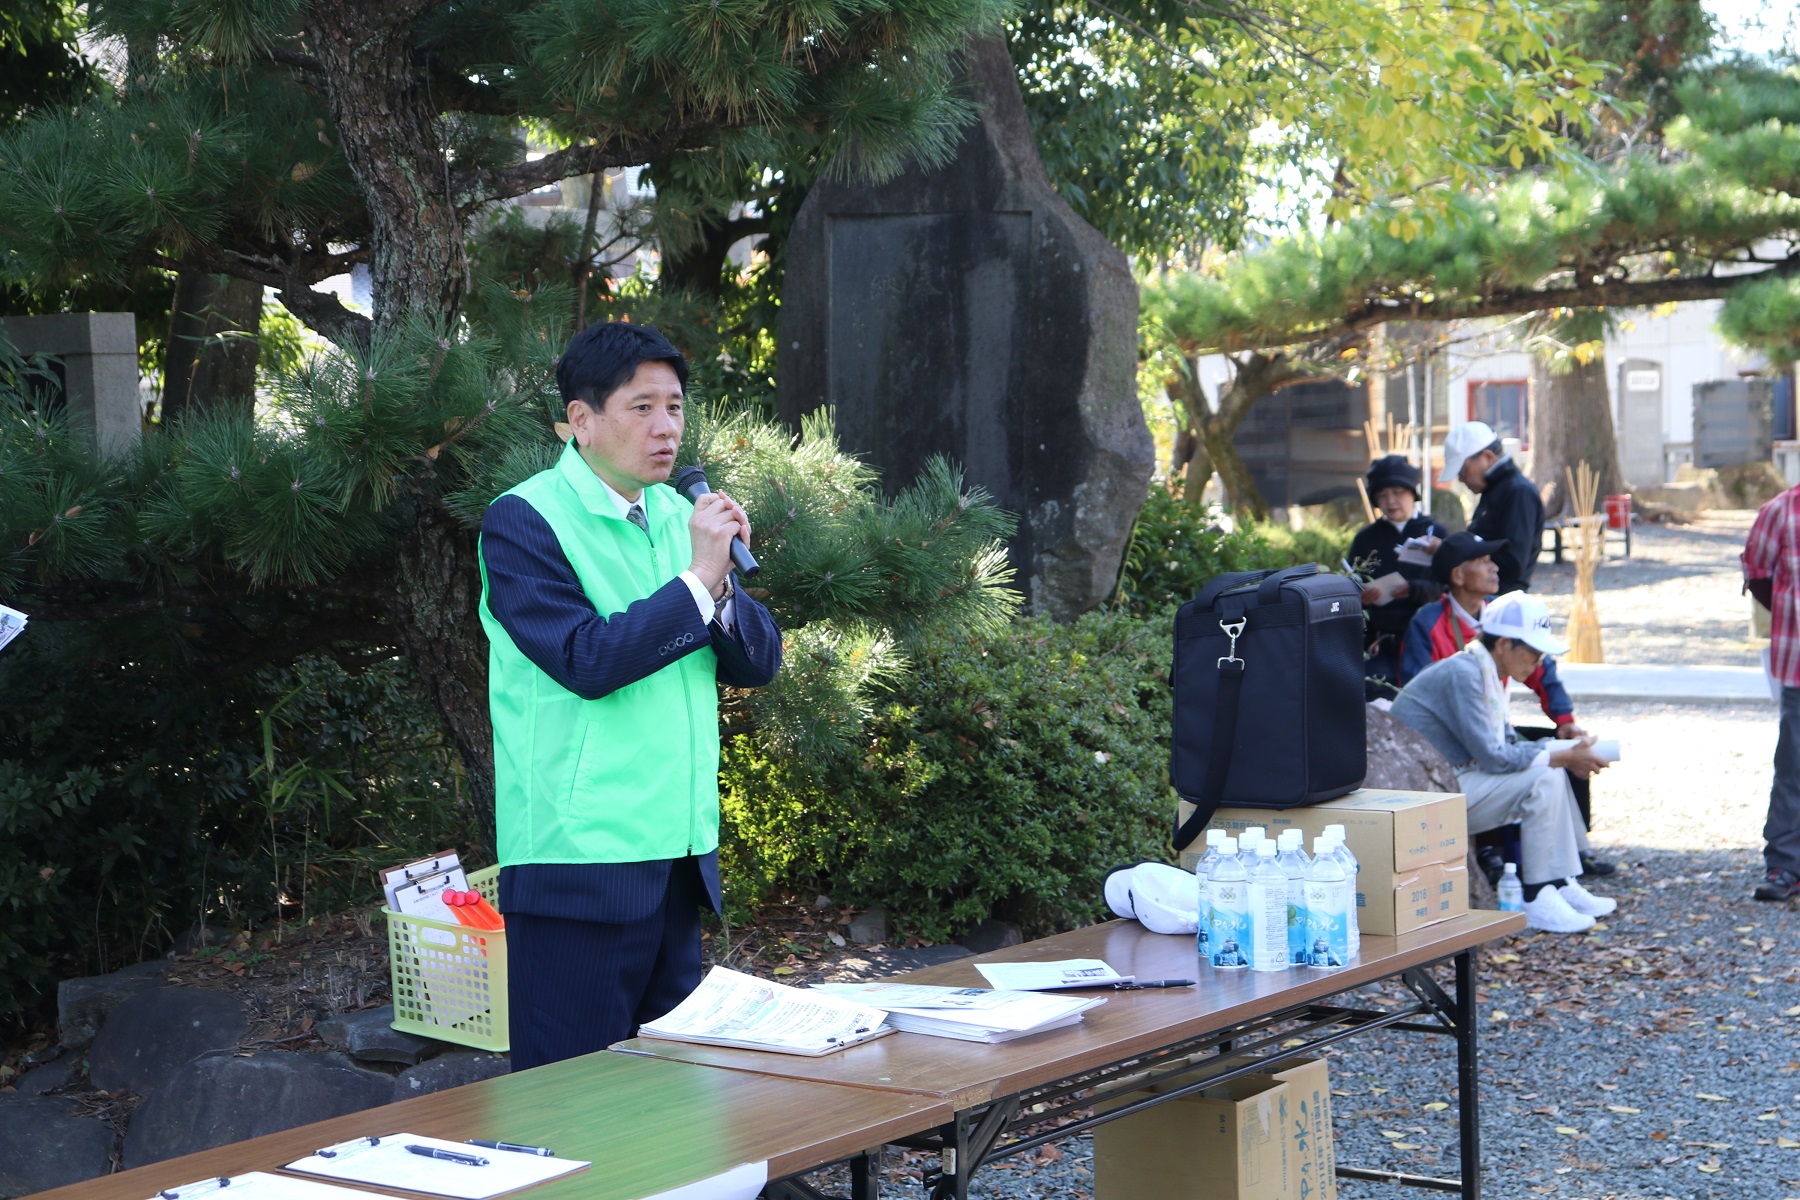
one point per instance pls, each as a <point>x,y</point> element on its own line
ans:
<point>1590,546</point>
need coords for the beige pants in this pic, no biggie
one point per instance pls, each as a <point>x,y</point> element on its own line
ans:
<point>1540,801</point>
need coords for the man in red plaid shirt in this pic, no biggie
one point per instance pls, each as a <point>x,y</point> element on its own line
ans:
<point>1772,575</point>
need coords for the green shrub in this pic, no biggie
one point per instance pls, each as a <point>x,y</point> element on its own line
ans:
<point>1175,549</point>
<point>1002,776</point>
<point>136,799</point>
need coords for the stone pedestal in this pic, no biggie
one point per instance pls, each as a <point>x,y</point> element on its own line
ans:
<point>969,312</point>
<point>99,369</point>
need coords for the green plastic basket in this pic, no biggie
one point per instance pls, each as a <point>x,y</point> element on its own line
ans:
<point>450,980</point>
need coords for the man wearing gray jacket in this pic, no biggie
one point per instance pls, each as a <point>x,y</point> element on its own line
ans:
<point>1460,705</point>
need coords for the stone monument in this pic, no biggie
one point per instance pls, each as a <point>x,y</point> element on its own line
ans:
<point>967,311</point>
<point>96,359</point>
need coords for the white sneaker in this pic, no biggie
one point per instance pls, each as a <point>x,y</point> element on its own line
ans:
<point>1553,914</point>
<point>1585,902</point>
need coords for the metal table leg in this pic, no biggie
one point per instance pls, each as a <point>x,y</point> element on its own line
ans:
<point>1468,1095</point>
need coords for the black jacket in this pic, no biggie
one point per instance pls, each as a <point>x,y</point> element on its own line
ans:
<point>1376,550</point>
<point>1512,509</point>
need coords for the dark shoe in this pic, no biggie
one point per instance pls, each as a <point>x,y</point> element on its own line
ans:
<point>1491,862</point>
<point>1779,885</point>
<point>1596,866</point>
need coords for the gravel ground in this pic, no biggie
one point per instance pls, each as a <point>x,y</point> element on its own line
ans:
<point>1658,1056</point>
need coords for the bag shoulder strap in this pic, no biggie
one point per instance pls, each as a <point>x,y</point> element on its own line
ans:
<point>1218,761</point>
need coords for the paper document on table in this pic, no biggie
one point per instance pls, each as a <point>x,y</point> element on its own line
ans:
<point>470,1173</point>
<point>1387,586</point>
<point>739,1183</point>
<point>1051,976</point>
<point>259,1185</point>
<point>970,1014</point>
<point>730,1008</point>
<point>12,624</point>
<point>1417,551</point>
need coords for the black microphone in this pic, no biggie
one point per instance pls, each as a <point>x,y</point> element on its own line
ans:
<point>690,481</point>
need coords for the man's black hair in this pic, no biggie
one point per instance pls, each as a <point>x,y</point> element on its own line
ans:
<point>602,358</point>
<point>1490,640</point>
<point>1494,447</point>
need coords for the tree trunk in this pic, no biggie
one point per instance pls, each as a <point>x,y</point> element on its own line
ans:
<point>1571,422</point>
<point>437,594</point>
<point>1204,443</point>
<point>418,263</point>
<point>209,359</point>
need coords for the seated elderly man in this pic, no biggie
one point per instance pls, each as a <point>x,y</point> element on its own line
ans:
<point>1460,705</point>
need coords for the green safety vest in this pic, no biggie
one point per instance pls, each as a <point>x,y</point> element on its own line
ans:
<point>631,776</point>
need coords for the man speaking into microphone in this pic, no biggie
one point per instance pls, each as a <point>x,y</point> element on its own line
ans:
<point>610,613</point>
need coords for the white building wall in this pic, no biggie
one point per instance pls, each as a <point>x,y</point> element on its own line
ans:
<point>1683,340</point>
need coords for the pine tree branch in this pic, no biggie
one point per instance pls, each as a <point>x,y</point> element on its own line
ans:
<point>295,59</point>
<point>325,315</point>
<point>1610,293</point>
<point>502,183</point>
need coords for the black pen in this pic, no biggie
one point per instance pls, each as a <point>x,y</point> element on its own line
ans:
<point>455,1156</point>
<point>1152,983</point>
<point>544,1151</point>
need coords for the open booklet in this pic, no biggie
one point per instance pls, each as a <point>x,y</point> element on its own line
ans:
<point>1051,976</point>
<point>969,1014</point>
<point>730,1008</point>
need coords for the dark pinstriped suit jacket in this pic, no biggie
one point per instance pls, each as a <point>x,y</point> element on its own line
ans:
<point>535,595</point>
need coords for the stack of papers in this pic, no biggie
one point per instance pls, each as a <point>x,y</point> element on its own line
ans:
<point>1051,976</point>
<point>968,1014</point>
<point>417,889</point>
<point>730,1008</point>
<point>12,624</point>
<point>470,1173</point>
<point>259,1185</point>
<point>1417,551</point>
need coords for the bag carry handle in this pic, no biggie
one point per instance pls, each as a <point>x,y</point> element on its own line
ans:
<point>1225,721</point>
<point>1220,584</point>
<point>1270,591</point>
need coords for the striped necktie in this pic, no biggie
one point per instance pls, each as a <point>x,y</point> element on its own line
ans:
<point>636,517</point>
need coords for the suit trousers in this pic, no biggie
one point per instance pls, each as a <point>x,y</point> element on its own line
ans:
<point>576,987</point>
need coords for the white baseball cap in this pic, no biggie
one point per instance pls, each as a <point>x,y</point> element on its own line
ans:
<point>1523,618</point>
<point>1461,442</point>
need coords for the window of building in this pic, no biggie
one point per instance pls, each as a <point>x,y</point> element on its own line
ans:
<point>1504,404</point>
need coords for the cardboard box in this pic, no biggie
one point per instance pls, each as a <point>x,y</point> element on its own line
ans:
<point>1394,835</point>
<point>1403,830</point>
<point>1449,887</point>
<point>1312,1157</point>
<point>1226,1143</point>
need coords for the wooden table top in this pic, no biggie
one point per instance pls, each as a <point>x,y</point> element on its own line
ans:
<point>1128,1024</point>
<point>646,1124</point>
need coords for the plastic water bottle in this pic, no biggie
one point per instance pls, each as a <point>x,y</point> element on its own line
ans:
<point>1510,890</point>
<point>1230,892</point>
<point>1351,873</point>
<point>1294,861</point>
<point>1328,907</point>
<point>1202,870</point>
<point>1247,840</point>
<point>1268,910</point>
